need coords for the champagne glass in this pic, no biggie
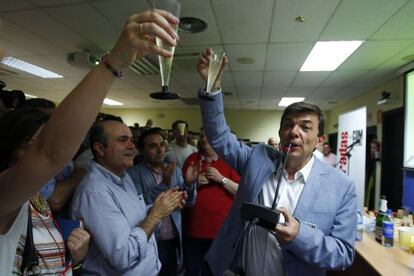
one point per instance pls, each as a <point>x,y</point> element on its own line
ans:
<point>215,62</point>
<point>174,8</point>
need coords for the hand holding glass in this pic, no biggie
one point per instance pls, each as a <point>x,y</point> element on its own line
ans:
<point>214,66</point>
<point>216,60</point>
<point>174,8</point>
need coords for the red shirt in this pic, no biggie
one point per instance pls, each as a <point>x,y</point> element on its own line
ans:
<point>213,202</point>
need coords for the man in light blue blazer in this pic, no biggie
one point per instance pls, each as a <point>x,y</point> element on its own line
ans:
<point>151,177</point>
<point>317,202</point>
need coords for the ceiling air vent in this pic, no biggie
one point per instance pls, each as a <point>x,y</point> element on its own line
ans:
<point>145,66</point>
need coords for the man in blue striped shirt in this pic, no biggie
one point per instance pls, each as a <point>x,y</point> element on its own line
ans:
<point>114,212</point>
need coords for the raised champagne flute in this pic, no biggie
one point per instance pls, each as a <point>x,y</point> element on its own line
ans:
<point>174,8</point>
<point>215,62</point>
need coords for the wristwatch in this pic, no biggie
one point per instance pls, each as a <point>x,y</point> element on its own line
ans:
<point>224,181</point>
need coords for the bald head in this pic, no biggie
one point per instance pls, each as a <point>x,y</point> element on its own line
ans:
<point>272,142</point>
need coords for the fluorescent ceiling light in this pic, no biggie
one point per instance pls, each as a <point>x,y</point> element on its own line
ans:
<point>285,101</point>
<point>111,102</point>
<point>29,68</point>
<point>328,55</point>
<point>30,96</point>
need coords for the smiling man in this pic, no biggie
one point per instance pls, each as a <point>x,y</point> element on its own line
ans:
<point>116,215</point>
<point>317,202</point>
<point>153,176</point>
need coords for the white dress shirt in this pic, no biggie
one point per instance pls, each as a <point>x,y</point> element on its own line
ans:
<point>289,191</point>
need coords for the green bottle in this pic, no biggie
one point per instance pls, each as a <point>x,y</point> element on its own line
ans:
<point>380,219</point>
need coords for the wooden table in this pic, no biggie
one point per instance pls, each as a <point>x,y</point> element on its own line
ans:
<point>374,259</point>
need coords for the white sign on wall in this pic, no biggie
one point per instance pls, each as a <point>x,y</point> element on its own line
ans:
<point>351,148</point>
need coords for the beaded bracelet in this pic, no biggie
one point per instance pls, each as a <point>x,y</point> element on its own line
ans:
<point>115,72</point>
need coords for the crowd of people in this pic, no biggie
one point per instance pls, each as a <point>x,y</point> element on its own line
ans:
<point>143,201</point>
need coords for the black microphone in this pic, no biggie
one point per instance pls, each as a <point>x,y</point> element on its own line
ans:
<point>354,143</point>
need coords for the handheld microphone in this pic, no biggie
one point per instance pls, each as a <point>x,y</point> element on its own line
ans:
<point>264,216</point>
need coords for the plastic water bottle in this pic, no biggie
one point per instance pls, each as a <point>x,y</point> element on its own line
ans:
<point>360,226</point>
<point>388,229</point>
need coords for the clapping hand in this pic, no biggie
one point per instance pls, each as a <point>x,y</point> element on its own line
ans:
<point>192,173</point>
<point>168,201</point>
<point>213,174</point>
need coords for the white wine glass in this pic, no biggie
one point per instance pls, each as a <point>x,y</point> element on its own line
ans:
<point>173,7</point>
<point>214,65</point>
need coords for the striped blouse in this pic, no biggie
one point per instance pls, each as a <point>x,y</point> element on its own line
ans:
<point>48,243</point>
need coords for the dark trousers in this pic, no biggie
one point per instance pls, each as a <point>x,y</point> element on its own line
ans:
<point>194,251</point>
<point>167,252</point>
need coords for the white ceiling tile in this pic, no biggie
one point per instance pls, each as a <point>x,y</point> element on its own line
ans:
<point>189,79</point>
<point>273,91</point>
<point>250,22</point>
<point>400,59</point>
<point>248,79</point>
<point>119,10</point>
<point>342,78</point>
<point>249,92</point>
<point>371,54</point>
<point>357,20</point>
<point>10,5</point>
<point>44,3</point>
<point>298,92</point>
<point>286,29</point>
<point>323,93</point>
<point>373,78</point>
<point>400,26</point>
<point>88,23</point>
<point>227,80</point>
<point>231,101</point>
<point>11,49</point>
<point>142,82</point>
<point>287,56</point>
<point>255,51</point>
<point>26,39</point>
<point>307,79</point>
<point>270,102</point>
<point>278,78</point>
<point>45,27</point>
<point>346,94</point>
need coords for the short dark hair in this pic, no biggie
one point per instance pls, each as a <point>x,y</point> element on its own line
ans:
<point>302,107</point>
<point>101,117</point>
<point>38,103</point>
<point>148,132</point>
<point>179,122</point>
<point>97,131</point>
<point>15,127</point>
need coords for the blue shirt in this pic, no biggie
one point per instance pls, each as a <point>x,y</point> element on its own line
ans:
<point>111,210</point>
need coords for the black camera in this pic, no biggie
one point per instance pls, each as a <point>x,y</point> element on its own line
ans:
<point>11,99</point>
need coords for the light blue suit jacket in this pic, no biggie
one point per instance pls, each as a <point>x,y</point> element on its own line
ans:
<point>145,184</point>
<point>326,209</point>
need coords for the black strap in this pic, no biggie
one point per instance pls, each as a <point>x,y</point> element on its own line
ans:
<point>30,257</point>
